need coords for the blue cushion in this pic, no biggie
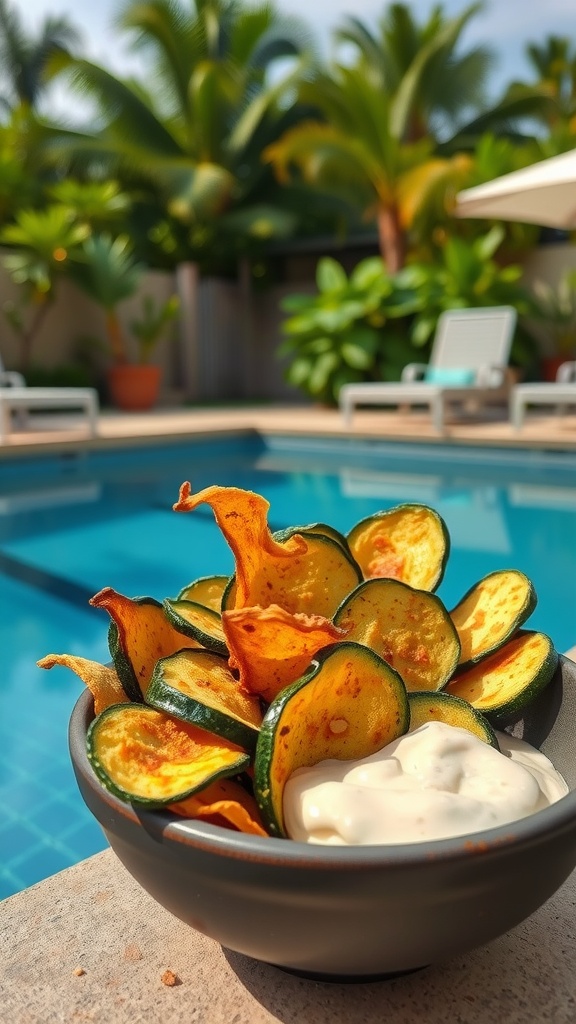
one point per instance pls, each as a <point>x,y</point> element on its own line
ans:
<point>450,377</point>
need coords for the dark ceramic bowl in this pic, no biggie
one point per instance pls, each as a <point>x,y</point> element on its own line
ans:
<point>351,911</point>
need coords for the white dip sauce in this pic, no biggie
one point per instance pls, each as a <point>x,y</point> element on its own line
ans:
<point>435,782</point>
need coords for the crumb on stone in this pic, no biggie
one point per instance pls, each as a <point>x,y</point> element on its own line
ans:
<point>78,972</point>
<point>170,979</point>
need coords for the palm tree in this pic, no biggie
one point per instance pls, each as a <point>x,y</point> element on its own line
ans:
<point>375,137</point>
<point>433,85</point>
<point>193,132</point>
<point>25,59</point>
<point>554,64</point>
<point>392,124</point>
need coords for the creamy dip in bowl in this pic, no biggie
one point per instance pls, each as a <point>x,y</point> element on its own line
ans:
<point>433,783</point>
<point>352,911</point>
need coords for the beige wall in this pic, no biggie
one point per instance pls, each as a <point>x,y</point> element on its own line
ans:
<point>74,316</point>
<point>223,346</point>
<point>548,263</point>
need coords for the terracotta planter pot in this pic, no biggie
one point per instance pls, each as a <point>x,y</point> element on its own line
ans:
<point>550,366</point>
<point>134,387</point>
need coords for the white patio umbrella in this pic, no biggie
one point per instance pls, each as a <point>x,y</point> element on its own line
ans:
<point>544,194</point>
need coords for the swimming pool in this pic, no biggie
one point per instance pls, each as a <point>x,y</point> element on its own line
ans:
<point>74,523</point>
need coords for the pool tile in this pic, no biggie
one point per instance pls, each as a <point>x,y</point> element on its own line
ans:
<point>45,860</point>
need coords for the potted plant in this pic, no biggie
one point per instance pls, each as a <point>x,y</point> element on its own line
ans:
<point>109,273</point>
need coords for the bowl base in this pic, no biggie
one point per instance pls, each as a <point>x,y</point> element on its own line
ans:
<point>349,979</point>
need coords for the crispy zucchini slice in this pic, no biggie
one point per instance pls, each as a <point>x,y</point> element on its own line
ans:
<point>491,612</point>
<point>308,573</point>
<point>101,680</point>
<point>229,595</point>
<point>271,648</point>
<point>206,590</point>
<point>146,757</point>
<point>444,707</point>
<point>349,704</point>
<point>225,803</point>
<point>138,636</point>
<point>322,528</point>
<point>197,622</point>
<point>409,542</point>
<point>198,687</point>
<point>506,681</point>
<point>314,582</point>
<point>411,629</point>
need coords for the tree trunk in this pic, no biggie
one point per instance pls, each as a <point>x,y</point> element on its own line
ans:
<point>27,336</point>
<point>116,337</point>
<point>188,370</point>
<point>391,238</point>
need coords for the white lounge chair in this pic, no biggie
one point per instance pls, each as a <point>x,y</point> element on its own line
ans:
<point>16,397</point>
<point>559,393</point>
<point>468,362</point>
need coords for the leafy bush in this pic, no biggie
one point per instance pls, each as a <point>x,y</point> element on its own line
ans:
<point>369,325</point>
<point>343,333</point>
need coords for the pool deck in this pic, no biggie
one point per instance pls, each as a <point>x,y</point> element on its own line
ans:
<point>89,945</point>
<point>539,431</point>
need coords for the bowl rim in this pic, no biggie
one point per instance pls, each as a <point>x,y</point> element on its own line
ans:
<point>531,830</point>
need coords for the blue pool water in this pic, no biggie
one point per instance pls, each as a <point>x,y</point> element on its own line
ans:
<point>72,524</point>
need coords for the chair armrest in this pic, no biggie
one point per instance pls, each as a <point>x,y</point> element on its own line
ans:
<point>11,379</point>
<point>566,372</point>
<point>413,371</point>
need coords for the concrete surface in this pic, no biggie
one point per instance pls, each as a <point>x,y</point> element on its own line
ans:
<point>541,430</point>
<point>89,945</point>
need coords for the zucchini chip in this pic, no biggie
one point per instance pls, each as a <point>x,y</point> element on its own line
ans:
<point>349,705</point>
<point>148,758</point>
<point>198,687</point>
<point>272,648</point>
<point>197,622</point>
<point>505,682</point>
<point>444,707</point>
<point>308,573</point>
<point>410,629</point>
<point>101,680</point>
<point>139,635</point>
<point>322,528</point>
<point>491,612</point>
<point>206,590</point>
<point>225,803</point>
<point>409,543</point>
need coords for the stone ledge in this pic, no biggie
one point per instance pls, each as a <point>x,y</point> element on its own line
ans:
<point>89,945</point>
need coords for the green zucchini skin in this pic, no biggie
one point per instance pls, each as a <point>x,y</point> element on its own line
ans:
<point>444,707</point>
<point>190,591</point>
<point>92,737</point>
<point>123,666</point>
<point>122,663</point>
<point>164,697</point>
<point>380,517</point>
<point>322,528</point>
<point>191,629</point>
<point>515,622</point>
<point>273,728</point>
<point>228,594</point>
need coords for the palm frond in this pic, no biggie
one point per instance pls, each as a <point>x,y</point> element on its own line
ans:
<point>175,39</point>
<point>126,113</point>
